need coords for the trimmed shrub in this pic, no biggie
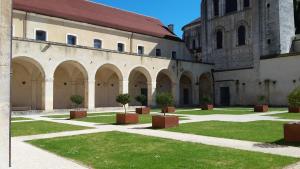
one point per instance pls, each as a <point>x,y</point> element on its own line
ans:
<point>164,100</point>
<point>294,98</point>
<point>77,100</point>
<point>123,99</point>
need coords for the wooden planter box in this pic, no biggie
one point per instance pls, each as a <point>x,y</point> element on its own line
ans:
<point>128,118</point>
<point>160,122</point>
<point>78,114</point>
<point>261,108</point>
<point>294,109</point>
<point>207,107</point>
<point>292,132</point>
<point>168,110</point>
<point>144,110</point>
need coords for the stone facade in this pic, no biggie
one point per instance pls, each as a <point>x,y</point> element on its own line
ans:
<point>5,58</point>
<point>254,38</point>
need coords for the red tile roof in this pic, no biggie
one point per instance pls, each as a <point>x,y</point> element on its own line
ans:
<point>96,14</point>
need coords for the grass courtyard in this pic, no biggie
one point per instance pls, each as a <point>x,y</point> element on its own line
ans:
<point>41,127</point>
<point>294,116</point>
<point>115,150</point>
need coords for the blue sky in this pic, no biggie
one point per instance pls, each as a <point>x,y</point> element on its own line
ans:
<point>177,12</point>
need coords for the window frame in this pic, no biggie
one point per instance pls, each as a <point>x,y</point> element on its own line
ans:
<point>217,39</point>
<point>174,51</point>
<point>100,41</point>
<point>159,52</point>
<point>137,49</point>
<point>38,29</point>
<point>231,11</point>
<point>124,47</point>
<point>77,40</point>
<point>238,36</point>
<point>249,4</point>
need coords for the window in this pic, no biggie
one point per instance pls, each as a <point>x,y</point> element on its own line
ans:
<point>174,55</point>
<point>241,35</point>
<point>216,7</point>
<point>158,52</point>
<point>219,39</point>
<point>231,6</point>
<point>40,35</point>
<point>97,43</point>
<point>71,40</point>
<point>246,3</point>
<point>194,44</point>
<point>121,47</point>
<point>140,50</point>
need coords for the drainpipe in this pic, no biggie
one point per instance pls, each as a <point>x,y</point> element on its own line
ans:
<point>25,26</point>
<point>214,85</point>
<point>131,42</point>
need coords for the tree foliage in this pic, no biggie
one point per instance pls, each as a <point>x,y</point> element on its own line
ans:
<point>123,99</point>
<point>294,97</point>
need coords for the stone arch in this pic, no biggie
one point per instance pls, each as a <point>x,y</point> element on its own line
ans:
<point>165,82</point>
<point>139,84</point>
<point>70,78</point>
<point>186,88</point>
<point>205,86</point>
<point>28,80</point>
<point>108,84</point>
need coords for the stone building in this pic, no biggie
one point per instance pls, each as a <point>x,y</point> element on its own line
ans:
<point>253,48</point>
<point>98,52</point>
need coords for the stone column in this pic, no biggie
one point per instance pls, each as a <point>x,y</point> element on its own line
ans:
<point>5,71</point>
<point>124,87</point>
<point>152,93</point>
<point>177,96</point>
<point>91,94</point>
<point>49,88</point>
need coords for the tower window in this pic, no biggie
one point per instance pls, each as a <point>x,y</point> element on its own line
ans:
<point>194,44</point>
<point>219,39</point>
<point>174,55</point>
<point>40,35</point>
<point>71,40</point>
<point>97,43</point>
<point>121,47</point>
<point>246,3</point>
<point>231,6</point>
<point>241,36</point>
<point>216,7</point>
<point>158,52</point>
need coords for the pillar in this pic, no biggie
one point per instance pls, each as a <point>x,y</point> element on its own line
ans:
<point>49,88</point>
<point>124,86</point>
<point>151,93</point>
<point>5,71</point>
<point>91,94</point>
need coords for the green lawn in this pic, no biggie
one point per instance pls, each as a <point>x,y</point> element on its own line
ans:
<point>294,116</point>
<point>41,127</point>
<point>209,112</point>
<point>115,150</point>
<point>258,131</point>
<point>68,116</point>
<point>19,118</point>
<point>143,119</point>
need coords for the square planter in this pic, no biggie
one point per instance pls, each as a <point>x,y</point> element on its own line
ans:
<point>261,108</point>
<point>160,122</point>
<point>128,118</point>
<point>292,132</point>
<point>168,110</point>
<point>294,109</point>
<point>207,107</point>
<point>77,114</point>
<point>144,110</point>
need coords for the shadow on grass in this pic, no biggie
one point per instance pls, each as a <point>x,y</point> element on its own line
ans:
<point>278,144</point>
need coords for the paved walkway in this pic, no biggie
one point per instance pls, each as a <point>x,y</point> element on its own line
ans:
<point>49,160</point>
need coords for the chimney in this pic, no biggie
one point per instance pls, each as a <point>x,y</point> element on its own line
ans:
<point>171,27</point>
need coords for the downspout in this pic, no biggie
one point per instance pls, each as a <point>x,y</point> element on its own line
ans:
<point>25,26</point>
<point>214,85</point>
<point>131,42</point>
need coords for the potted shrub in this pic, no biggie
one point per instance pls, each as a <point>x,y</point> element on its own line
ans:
<point>294,101</point>
<point>207,104</point>
<point>164,100</point>
<point>261,106</point>
<point>77,113</point>
<point>142,99</point>
<point>125,118</point>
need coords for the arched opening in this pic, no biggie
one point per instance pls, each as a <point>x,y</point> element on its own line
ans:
<point>107,86</point>
<point>27,85</point>
<point>164,83</point>
<point>70,78</point>
<point>241,35</point>
<point>139,79</point>
<point>186,89</point>
<point>219,39</point>
<point>205,87</point>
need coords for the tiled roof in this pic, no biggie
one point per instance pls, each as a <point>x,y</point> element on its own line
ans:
<point>96,14</point>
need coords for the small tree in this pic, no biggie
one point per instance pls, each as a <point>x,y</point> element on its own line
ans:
<point>206,100</point>
<point>77,100</point>
<point>164,100</point>
<point>142,99</point>
<point>261,99</point>
<point>123,99</point>
<point>294,98</point>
